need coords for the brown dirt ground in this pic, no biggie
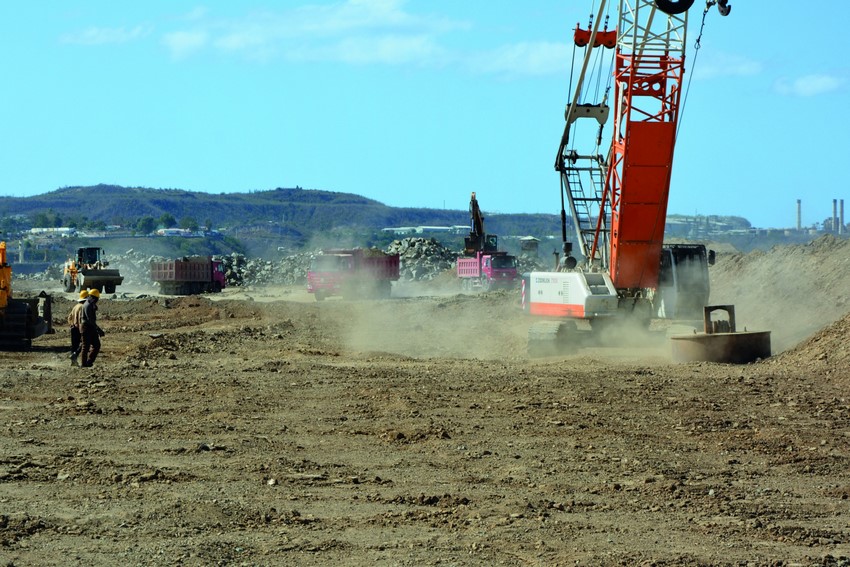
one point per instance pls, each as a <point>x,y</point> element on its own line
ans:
<point>261,428</point>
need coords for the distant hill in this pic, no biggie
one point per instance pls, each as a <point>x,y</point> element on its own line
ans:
<point>295,215</point>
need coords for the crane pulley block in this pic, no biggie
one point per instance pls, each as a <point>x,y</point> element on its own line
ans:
<point>605,38</point>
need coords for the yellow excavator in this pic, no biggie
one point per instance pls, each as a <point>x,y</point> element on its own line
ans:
<point>21,320</point>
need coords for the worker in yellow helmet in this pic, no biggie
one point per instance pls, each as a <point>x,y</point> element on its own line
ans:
<point>74,322</point>
<point>89,330</point>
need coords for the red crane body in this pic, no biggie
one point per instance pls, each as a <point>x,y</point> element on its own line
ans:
<point>617,192</point>
<point>638,183</point>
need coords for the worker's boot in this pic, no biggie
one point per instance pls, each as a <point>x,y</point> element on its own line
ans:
<point>74,358</point>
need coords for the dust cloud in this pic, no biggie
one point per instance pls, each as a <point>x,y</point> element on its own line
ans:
<point>791,291</point>
<point>486,326</point>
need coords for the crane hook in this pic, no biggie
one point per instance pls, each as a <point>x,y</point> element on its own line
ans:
<point>673,7</point>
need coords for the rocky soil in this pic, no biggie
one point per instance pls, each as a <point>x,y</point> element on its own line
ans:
<point>258,427</point>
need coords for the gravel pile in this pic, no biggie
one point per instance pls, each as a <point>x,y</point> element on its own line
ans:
<point>292,270</point>
<point>422,259</point>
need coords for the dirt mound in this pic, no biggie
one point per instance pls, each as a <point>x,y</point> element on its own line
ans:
<point>793,291</point>
<point>827,347</point>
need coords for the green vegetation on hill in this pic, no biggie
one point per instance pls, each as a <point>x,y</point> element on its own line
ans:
<point>297,217</point>
<point>280,221</point>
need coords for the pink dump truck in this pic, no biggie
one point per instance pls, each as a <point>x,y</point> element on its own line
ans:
<point>487,270</point>
<point>354,273</point>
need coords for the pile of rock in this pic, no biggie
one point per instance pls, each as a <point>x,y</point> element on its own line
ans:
<point>134,266</point>
<point>422,259</point>
<point>240,270</point>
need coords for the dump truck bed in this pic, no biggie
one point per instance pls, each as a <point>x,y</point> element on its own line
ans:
<point>185,270</point>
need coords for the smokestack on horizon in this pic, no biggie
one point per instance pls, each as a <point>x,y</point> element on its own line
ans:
<point>835,216</point>
<point>799,214</point>
<point>841,224</point>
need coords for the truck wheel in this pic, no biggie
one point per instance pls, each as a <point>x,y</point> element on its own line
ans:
<point>485,284</point>
<point>320,295</point>
<point>67,284</point>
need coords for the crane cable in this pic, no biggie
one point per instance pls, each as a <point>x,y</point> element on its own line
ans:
<point>691,75</point>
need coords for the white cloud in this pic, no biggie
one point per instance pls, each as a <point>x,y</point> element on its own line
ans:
<point>184,43</point>
<point>719,65</point>
<point>196,13</point>
<point>541,58</point>
<point>105,36</point>
<point>359,32</point>
<point>353,31</point>
<point>359,15</point>
<point>388,49</point>
<point>810,85</point>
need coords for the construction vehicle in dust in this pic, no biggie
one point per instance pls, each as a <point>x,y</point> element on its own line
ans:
<point>89,270</point>
<point>21,320</point>
<point>189,275</point>
<point>353,274</point>
<point>483,267</point>
<point>617,195</point>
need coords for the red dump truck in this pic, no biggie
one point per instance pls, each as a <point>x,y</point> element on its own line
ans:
<point>189,276</point>
<point>355,273</point>
<point>487,270</point>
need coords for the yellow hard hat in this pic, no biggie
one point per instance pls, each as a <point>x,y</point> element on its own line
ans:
<point>84,294</point>
<point>94,293</point>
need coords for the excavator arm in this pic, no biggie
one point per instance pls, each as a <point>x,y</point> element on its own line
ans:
<point>478,241</point>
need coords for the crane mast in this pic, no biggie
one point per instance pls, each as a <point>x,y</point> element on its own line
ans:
<point>648,73</point>
<point>618,201</point>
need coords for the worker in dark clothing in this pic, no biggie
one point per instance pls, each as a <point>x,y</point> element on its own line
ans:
<point>74,320</point>
<point>89,330</point>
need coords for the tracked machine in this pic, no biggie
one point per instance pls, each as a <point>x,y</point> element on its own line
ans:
<point>617,192</point>
<point>21,320</point>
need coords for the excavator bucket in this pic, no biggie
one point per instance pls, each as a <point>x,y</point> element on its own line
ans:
<point>720,342</point>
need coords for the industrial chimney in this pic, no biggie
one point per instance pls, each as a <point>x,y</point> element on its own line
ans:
<point>799,215</point>
<point>841,225</point>
<point>835,215</point>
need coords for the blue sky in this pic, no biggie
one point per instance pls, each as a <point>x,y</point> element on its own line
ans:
<point>412,103</point>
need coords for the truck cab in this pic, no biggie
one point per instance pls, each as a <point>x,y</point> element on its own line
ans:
<point>327,273</point>
<point>487,270</point>
<point>683,284</point>
<point>500,270</point>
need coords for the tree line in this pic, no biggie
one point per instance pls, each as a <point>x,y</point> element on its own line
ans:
<point>142,225</point>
